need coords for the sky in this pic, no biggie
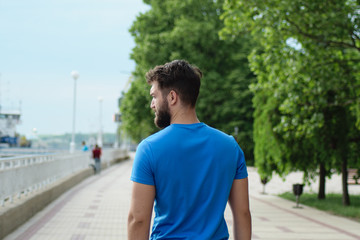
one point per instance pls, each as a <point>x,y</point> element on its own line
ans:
<point>42,42</point>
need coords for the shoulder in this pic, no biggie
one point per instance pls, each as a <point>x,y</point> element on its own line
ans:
<point>220,134</point>
<point>156,137</point>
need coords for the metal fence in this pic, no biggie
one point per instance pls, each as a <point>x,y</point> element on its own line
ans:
<point>22,175</point>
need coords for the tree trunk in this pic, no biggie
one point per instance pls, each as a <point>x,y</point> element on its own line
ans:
<point>345,191</point>
<point>321,193</point>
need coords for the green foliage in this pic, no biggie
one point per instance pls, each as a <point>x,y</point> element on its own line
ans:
<point>307,93</point>
<point>332,204</point>
<point>136,112</point>
<point>188,29</point>
<point>268,150</point>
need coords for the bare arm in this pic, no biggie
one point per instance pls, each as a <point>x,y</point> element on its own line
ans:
<point>139,219</point>
<point>239,204</point>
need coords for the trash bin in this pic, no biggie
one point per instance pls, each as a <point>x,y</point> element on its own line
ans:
<point>297,190</point>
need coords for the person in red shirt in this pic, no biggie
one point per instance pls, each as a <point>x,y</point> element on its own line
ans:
<point>96,155</point>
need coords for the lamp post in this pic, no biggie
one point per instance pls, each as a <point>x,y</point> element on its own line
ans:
<point>99,140</point>
<point>75,76</point>
<point>236,131</point>
<point>34,130</point>
<point>117,120</point>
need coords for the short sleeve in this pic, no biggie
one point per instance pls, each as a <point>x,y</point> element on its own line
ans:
<point>241,170</point>
<point>142,170</point>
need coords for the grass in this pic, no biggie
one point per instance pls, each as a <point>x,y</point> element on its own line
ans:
<point>331,204</point>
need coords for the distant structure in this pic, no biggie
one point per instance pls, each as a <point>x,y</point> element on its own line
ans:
<point>8,122</point>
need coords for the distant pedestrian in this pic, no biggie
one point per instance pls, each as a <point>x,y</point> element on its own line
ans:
<point>97,157</point>
<point>85,148</point>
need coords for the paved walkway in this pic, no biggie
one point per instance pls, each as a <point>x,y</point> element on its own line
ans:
<point>97,208</point>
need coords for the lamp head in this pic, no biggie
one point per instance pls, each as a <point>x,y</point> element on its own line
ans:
<point>75,74</point>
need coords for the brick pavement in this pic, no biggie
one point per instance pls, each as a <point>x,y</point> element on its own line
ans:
<point>97,209</point>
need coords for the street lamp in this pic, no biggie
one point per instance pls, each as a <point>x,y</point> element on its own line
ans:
<point>75,76</point>
<point>99,140</point>
<point>34,130</point>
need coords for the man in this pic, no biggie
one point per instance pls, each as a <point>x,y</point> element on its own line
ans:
<point>189,169</point>
<point>97,157</point>
<point>85,148</point>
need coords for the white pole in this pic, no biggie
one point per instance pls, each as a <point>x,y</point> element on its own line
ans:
<point>0,94</point>
<point>75,76</point>
<point>100,142</point>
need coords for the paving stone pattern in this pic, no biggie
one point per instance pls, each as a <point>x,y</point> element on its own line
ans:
<point>97,208</point>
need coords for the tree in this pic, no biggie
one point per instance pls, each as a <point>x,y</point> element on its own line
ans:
<point>136,112</point>
<point>309,60</point>
<point>189,30</point>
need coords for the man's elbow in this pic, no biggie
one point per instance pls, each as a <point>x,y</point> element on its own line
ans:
<point>138,227</point>
<point>243,214</point>
<point>135,219</point>
<point>246,213</point>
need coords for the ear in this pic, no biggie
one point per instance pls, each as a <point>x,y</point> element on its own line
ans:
<point>173,97</point>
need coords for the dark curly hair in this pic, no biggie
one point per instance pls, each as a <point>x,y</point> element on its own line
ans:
<point>179,76</point>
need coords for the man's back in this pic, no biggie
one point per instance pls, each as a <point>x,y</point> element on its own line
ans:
<point>192,167</point>
<point>96,153</point>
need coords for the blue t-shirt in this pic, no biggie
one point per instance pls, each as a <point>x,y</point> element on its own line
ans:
<point>192,167</point>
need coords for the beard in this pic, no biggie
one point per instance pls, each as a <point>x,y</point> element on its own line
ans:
<point>162,116</point>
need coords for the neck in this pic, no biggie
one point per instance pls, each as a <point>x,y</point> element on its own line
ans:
<point>184,116</point>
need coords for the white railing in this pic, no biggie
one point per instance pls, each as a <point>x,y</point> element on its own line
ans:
<point>22,175</point>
